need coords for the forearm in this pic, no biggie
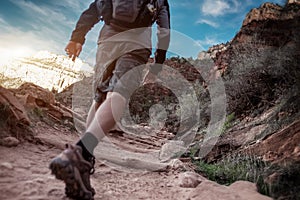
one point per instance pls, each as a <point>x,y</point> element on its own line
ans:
<point>85,23</point>
<point>163,33</point>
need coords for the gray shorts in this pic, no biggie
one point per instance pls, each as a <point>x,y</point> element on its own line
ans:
<point>112,64</point>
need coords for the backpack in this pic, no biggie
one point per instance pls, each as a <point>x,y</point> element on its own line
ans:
<point>131,13</point>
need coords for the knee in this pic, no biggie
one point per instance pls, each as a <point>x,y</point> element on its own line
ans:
<point>116,97</point>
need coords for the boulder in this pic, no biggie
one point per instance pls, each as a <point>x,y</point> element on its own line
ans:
<point>240,190</point>
<point>9,142</point>
<point>34,95</point>
<point>14,120</point>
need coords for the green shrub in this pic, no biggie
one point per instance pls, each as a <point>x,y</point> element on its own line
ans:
<point>232,168</point>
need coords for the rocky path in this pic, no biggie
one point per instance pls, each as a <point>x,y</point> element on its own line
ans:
<point>24,173</point>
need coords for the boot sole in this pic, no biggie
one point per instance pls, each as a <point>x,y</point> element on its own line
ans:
<point>75,188</point>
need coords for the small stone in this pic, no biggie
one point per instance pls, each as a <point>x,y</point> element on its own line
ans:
<point>6,165</point>
<point>9,142</point>
<point>190,180</point>
<point>176,164</point>
<point>169,185</point>
<point>296,150</point>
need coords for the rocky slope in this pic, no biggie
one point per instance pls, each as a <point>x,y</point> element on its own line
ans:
<point>261,62</point>
<point>44,126</point>
<point>260,69</point>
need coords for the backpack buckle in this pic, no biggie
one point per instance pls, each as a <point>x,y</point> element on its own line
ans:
<point>151,7</point>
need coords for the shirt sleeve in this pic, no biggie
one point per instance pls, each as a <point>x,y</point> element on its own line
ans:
<point>85,23</point>
<point>163,32</point>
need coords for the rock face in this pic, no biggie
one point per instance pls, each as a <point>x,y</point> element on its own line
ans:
<point>269,11</point>
<point>293,1</point>
<point>260,70</point>
<point>48,70</point>
<point>23,107</point>
<point>34,95</point>
<point>213,51</point>
<point>265,50</point>
<point>281,146</point>
<point>14,119</point>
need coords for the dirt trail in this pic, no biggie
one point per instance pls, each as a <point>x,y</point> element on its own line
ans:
<point>24,172</point>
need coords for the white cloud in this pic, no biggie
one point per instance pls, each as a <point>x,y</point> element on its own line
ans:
<point>45,27</point>
<point>214,8</point>
<point>22,38</point>
<point>44,15</point>
<point>220,7</point>
<point>208,41</point>
<point>208,22</point>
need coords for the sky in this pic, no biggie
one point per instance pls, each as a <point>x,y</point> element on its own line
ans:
<point>29,26</point>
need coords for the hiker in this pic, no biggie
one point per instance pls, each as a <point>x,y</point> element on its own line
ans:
<point>124,44</point>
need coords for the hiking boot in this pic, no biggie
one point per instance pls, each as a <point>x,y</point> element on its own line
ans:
<point>75,171</point>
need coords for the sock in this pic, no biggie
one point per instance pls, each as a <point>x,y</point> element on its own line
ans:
<point>88,143</point>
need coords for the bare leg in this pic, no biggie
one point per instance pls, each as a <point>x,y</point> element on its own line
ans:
<point>106,115</point>
<point>92,113</point>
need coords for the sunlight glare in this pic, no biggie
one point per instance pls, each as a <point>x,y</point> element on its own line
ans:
<point>7,55</point>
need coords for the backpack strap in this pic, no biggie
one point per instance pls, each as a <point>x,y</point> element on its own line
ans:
<point>104,9</point>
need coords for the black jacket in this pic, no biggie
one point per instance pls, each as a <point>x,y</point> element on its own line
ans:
<point>90,17</point>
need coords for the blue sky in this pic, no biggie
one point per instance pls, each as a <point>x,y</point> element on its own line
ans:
<point>28,26</point>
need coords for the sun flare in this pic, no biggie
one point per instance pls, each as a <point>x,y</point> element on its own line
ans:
<point>7,55</point>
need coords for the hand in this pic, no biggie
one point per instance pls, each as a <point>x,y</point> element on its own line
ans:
<point>73,49</point>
